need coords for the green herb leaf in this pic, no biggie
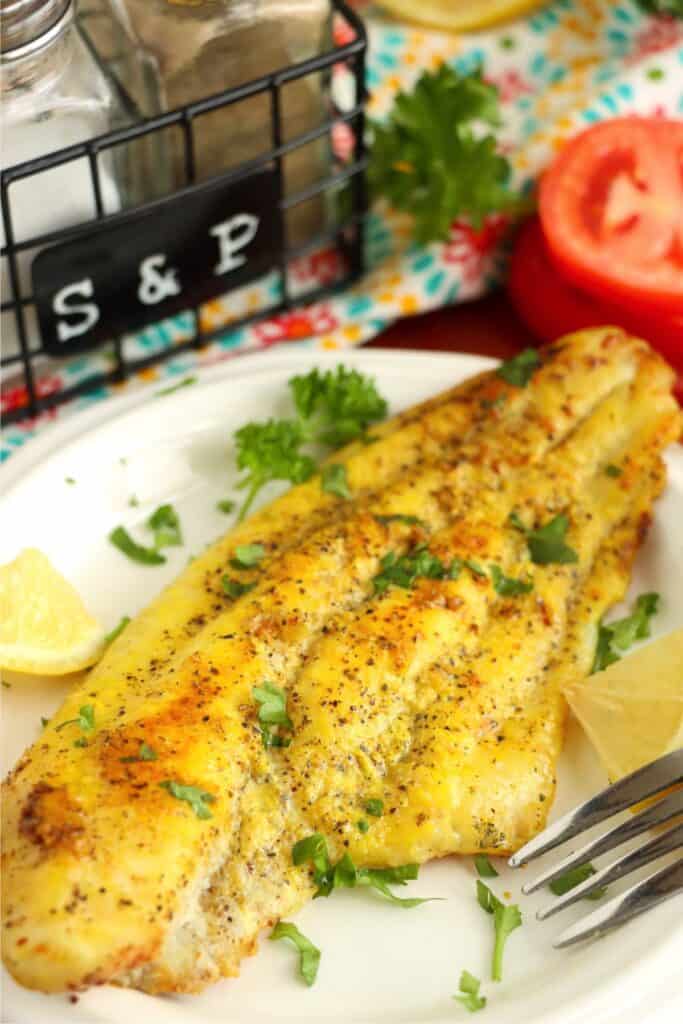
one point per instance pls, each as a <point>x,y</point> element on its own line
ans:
<point>519,370</point>
<point>505,920</point>
<point>270,451</point>
<point>309,955</point>
<point>546,543</point>
<point>612,470</point>
<point>247,556</point>
<point>431,159</point>
<point>374,808</point>
<point>234,588</point>
<point>165,524</point>
<point>44,721</point>
<point>616,637</point>
<point>403,571</point>
<point>334,480</point>
<point>69,480</point>
<point>82,742</point>
<point>400,518</point>
<point>117,630</point>
<point>672,8</point>
<point>362,825</point>
<point>133,501</point>
<point>197,798</point>
<point>6,685</point>
<point>85,720</point>
<point>225,506</point>
<point>146,754</point>
<point>337,406</point>
<point>574,877</point>
<point>122,540</point>
<point>272,711</point>
<point>474,568</point>
<point>507,586</point>
<point>184,383</point>
<point>469,993</point>
<point>485,868</point>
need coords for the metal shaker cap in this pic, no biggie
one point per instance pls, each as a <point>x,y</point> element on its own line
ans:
<point>28,25</point>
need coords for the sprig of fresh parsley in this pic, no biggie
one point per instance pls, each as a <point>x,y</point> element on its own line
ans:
<point>332,408</point>
<point>506,918</point>
<point>345,875</point>
<point>431,159</point>
<point>575,876</point>
<point>309,955</point>
<point>616,637</point>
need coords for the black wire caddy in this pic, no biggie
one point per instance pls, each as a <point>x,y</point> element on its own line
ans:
<point>205,230</point>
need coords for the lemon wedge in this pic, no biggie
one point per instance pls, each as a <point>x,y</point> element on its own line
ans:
<point>633,711</point>
<point>457,15</point>
<point>44,626</point>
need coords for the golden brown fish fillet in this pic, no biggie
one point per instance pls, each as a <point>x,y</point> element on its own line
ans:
<point>443,699</point>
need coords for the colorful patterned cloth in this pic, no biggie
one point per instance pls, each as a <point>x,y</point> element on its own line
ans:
<point>572,63</point>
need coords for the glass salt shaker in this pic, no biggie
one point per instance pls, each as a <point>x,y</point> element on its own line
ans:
<point>53,95</point>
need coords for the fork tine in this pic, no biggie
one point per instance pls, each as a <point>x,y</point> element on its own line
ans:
<point>643,783</point>
<point>645,854</point>
<point>656,814</point>
<point>661,886</point>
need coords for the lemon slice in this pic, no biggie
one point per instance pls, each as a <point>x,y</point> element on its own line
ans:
<point>44,626</point>
<point>456,15</point>
<point>633,711</point>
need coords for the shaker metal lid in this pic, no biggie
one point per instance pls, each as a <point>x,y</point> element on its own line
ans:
<point>28,25</point>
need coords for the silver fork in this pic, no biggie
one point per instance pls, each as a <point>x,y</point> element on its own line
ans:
<point>662,885</point>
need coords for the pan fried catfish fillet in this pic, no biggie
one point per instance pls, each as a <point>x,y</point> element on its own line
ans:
<point>151,849</point>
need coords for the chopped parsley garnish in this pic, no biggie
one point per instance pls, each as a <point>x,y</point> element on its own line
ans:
<point>117,630</point>
<point>165,524</point>
<point>507,586</point>
<point>133,501</point>
<point>309,955</point>
<point>505,920</point>
<point>85,720</point>
<point>362,825</point>
<point>234,588</point>
<point>272,712</point>
<point>334,480</point>
<point>7,686</point>
<point>375,808</point>
<point>546,543</point>
<point>146,753</point>
<point>612,470</point>
<point>332,409</point>
<point>122,540</point>
<point>82,742</point>
<point>44,721</point>
<point>432,159</point>
<point>404,570</point>
<point>345,875</point>
<point>69,480</point>
<point>616,637</point>
<point>574,877</point>
<point>474,567</point>
<point>226,506</point>
<point>400,518</point>
<point>247,556</point>
<point>519,370</point>
<point>485,868</point>
<point>184,383</point>
<point>197,798</point>
<point>469,993</point>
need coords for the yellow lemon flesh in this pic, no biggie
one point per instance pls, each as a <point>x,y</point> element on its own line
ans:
<point>44,626</point>
<point>457,15</point>
<point>633,711</point>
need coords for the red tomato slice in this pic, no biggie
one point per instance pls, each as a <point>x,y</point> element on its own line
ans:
<point>551,306</point>
<point>612,211</point>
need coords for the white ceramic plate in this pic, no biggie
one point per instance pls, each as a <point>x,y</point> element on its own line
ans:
<point>380,962</point>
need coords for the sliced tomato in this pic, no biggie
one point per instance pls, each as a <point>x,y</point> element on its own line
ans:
<point>611,206</point>
<point>550,306</point>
